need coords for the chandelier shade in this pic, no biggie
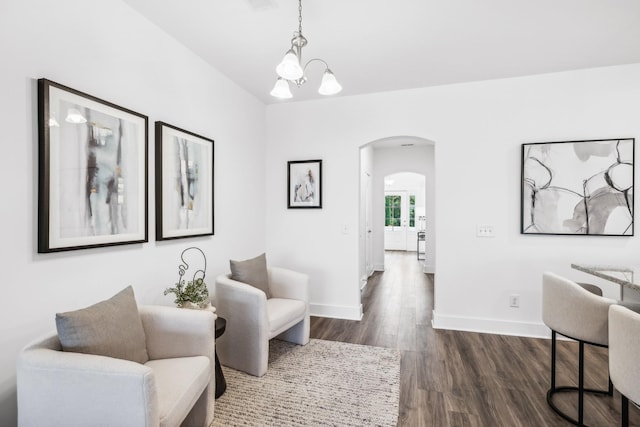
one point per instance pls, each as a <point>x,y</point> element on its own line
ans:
<point>330,85</point>
<point>290,69</point>
<point>281,89</point>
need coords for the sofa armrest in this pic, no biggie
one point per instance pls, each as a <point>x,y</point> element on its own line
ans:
<point>284,283</point>
<point>58,388</point>
<point>178,332</point>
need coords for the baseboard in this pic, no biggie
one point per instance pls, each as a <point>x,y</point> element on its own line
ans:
<point>490,326</point>
<point>429,268</point>
<point>378,267</point>
<point>336,311</point>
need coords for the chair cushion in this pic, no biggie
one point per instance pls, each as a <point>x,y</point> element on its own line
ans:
<point>109,328</point>
<point>179,384</point>
<point>284,313</point>
<point>252,272</point>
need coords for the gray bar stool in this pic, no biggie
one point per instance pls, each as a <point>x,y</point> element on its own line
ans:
<point>571,310</point>
<point>624,348</point>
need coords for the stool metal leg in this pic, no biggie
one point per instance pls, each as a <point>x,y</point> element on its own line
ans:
<point>625,411</point>
<point>581,390</point>
<point>581,384</point>
<point>553,360</point>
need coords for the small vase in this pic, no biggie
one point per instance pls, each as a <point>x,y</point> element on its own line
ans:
<point>191,306</point>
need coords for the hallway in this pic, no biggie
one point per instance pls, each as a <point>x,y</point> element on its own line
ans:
<point>453,378</point>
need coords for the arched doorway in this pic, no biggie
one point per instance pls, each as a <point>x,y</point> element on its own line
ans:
<point>383,158</point>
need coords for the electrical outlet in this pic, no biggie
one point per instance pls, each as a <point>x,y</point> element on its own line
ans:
<point>514,300</point>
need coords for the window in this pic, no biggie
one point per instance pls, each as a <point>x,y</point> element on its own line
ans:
<point>392,211</point>
<point>412,211</point>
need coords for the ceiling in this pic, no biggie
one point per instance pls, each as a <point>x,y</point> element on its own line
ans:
<point>383,45</point>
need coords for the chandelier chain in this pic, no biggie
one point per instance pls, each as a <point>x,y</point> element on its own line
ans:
<point>299,16</point>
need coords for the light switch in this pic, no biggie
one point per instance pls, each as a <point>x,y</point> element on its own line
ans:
<point>485,231</point>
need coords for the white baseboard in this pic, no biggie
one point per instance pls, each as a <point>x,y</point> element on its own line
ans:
<point>336,311</point>
<point>378,267</point>
<point>429,268</point>
<point>490,326</point>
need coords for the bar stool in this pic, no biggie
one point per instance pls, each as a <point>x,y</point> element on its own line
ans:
<point>571,310</point>
<point>624,347</point>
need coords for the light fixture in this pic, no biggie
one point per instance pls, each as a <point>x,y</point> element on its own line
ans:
<point>291,70</point>
<point>281,89</point>
<point>75,116</point>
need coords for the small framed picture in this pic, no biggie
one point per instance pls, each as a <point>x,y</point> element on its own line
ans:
<point>92,182</point>
<point>184,183</point>
<point>304,179</point>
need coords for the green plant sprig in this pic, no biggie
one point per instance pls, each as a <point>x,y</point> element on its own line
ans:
<point>194,292</point>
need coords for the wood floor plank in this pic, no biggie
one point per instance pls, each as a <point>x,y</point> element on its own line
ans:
<point>453,378</point>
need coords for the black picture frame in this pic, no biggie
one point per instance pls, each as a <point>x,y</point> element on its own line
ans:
<point>304,184</point>
<point>92,171</point>
<point>582,187</point>
<point>184,183</point>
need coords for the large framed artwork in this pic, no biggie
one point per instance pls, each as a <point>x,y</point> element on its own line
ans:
<point>92,183</point>
<point>304,182</point>
<point>578,187</point>
<point>184,183</point>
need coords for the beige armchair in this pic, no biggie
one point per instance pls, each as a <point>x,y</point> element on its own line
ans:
<point>253,319</point>
<point>175,387</point>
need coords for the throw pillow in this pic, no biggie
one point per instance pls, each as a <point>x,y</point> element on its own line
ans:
<point>109,328</point>
<point>252,272</point>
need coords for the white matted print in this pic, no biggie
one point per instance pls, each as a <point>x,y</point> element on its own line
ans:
<point>304,184</point>
<point>184,183</point>
<point>92,188</point>
<point>578,187</point>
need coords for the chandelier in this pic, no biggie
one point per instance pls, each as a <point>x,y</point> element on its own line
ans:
<point>290,69</point>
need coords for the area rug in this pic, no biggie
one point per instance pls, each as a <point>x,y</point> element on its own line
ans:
<point>324,383</point>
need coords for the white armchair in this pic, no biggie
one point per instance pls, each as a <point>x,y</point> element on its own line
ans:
<point>175,387</point>
<point>252,319</point>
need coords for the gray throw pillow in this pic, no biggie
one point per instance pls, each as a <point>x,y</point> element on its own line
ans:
<point>109,328</point>
<point>252,272</point>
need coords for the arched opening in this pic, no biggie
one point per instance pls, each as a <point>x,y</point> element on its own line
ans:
<point>403,160</point>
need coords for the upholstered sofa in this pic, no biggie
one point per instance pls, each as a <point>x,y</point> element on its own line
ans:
<point>175,387</point>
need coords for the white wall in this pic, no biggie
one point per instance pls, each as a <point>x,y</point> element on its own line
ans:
<point>108,50</point>
<point>477,129</point>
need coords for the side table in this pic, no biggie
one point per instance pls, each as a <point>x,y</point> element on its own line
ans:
<point>221,384</point>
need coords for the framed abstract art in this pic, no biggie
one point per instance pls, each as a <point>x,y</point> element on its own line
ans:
<point>304,184</point>
<point>184,183</point>
<point>578,187</point>
<point>92,177</point>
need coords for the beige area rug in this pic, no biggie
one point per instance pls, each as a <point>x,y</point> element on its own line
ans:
<point>324,383</point>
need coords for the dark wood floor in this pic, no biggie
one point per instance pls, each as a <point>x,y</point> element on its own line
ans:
<point>452,378</point>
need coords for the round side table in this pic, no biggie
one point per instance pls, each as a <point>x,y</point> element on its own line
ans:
<point>221,384</point>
